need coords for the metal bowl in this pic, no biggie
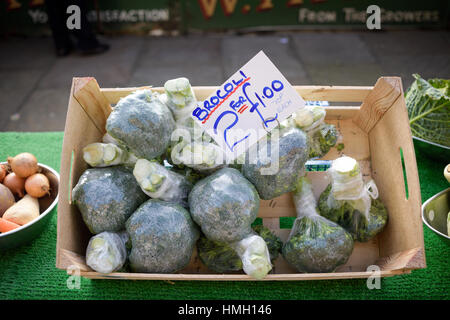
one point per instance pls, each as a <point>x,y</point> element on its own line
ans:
<point>31,230</point>
<point>434,214</point>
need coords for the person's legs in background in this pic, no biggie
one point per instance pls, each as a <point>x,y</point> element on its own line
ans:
<point>87,42</point>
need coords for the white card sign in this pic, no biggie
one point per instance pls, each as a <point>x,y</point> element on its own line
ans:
<point>257,98</point>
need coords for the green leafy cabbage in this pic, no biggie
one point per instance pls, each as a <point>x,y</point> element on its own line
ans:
<point>428,104</point>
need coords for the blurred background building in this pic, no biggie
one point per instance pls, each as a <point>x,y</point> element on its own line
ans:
<point>323,42</point>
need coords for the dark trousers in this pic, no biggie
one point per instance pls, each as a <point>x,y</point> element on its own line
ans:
<point>57,17</point>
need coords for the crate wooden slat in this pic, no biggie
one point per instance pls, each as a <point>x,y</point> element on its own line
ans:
<point>373,133</point>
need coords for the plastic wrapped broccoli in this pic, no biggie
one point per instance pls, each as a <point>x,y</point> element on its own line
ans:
<point>107,252</point>
<point>192,146</point>
<point>106,197</point>
<point>351,203</point>
<point>290,159</point>
<point>142,123</point>
<point>223,257</point>
<point>107,154</point>
<point>179,97</point>
<point>225,205</point>
<point>163,237</point>
<point>201,156</point>
<point>160,183</point>
<point>315,243</point>
<point>321,136</point>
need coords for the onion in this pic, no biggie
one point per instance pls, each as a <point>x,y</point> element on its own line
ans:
<point>6,199</point>
<point>15,184</point>
<point>24,164</point>
<point>37,185</point>
<point>2,173</point>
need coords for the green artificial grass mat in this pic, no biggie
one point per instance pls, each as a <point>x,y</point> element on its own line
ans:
<point>29,272</point>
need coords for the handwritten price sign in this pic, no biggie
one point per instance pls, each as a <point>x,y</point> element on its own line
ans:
<point>257,97</point>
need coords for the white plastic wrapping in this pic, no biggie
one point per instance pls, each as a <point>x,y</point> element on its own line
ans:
<point>304,201</point>
<point>106,154</point>
<point>179,97</point>
<point>255,256</point>
<point>106,251</point>
<point>160,183</point>
<point>310,118</point>
<point>347,184</point>
<point>201,156</point>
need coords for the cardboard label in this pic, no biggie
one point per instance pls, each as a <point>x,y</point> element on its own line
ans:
<point>253,101</point>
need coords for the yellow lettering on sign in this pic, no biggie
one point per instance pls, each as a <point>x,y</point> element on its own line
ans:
<point>207,7</point>
<point>293,3</point>
<point>264,5</point>
<point>228,6</point>
<point>12,4</point>
<point>35,3</point>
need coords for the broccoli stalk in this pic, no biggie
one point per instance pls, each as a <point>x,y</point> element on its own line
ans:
<point>160,183</point>
<point>201,156</point>
<point>254,255</point>
<point>222,256</point>
<point>315,244</point>
<point>321,136</point>
<point>351,203</point>
<point>107,252</point>
<point>106,154</point>
<point>347,184</point>
<point>179,97</point>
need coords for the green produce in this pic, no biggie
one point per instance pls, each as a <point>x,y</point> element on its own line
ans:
<point>106,197</point>
<point>218,256</point>
<point>201,156</point>
<point>142,123</point>
<point>428,104</point>
<point>274,244</point>
<point>254,255</point>
<point>107,154</point>
<point>315,244</point>
<point>351,203</point>
<point>160,183</point>
<point>224,205</point>
<point>106,252</point>
<point>222,256</point>
<point>249,254</point>
<point>288,163</point>
<point>321,136</point>
<point>180,97</point>
<point>163,237</point>
<point>353,220</point>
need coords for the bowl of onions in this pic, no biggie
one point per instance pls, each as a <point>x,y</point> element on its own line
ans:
<point>28,195</point>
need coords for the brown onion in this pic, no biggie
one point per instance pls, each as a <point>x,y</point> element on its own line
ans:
<point>24,164</point>
<point>37,185</point>
<point>3,173</point>
<point>6,199</point>
<point>15,184</point>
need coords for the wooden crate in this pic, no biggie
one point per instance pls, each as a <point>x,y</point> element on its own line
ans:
<point>373,133</point>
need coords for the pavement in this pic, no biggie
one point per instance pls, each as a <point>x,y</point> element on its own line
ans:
<point>35,84</point>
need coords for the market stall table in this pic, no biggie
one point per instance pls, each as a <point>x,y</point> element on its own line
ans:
<point>29,272</point>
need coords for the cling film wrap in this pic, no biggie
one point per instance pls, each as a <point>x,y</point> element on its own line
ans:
<point>107,154</point>
<point>310,118</point>
<point>201,156</point>
<point>106,252</point>
<point>254,255</point>
<point>315,244</point>
<point>179,97</point>
<point>158,182</point>
<point>349,186</point>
